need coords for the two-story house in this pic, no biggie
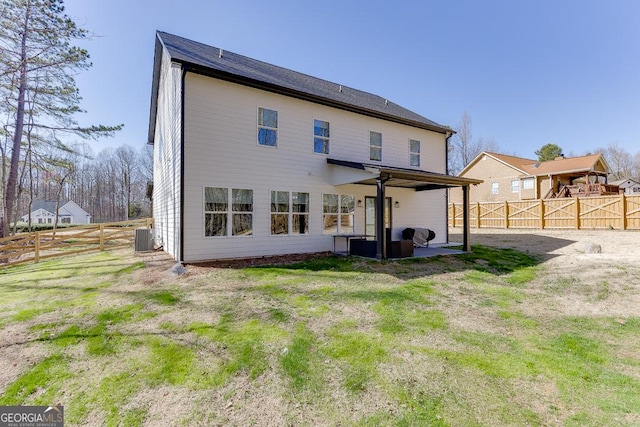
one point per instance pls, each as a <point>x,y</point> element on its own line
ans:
<point>251,159</point>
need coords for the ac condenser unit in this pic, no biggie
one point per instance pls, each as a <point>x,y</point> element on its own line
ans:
<point>143,240</point>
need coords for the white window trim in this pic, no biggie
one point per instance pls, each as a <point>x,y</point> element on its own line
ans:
<point>418,153</point>
<point>258,127</point>
<point>229,213</point>
<point>381,144</point>
<point>339,214</point>
<point>517,186</point>
<point>527,180</point>
<point>290,213</point>
<point>495,188</point>
<point>328,139</point>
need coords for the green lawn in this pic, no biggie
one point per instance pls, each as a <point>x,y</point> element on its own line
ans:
<point>447,341</point>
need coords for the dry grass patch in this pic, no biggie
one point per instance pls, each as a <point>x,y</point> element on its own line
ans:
<point>479,339</point>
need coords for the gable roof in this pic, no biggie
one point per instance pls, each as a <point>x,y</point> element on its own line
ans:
<point>215,62</point>
<point>531,167</point>
<point>623,182</point>
<point>517,163</point>
<point>47,205</point>
<point>566,165</point>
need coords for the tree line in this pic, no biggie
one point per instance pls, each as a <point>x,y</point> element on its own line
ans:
<point>110,186</point>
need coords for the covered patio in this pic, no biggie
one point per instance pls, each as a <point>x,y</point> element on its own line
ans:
<point>380,176</point>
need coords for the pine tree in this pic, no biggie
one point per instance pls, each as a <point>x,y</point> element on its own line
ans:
<point>37,64</point>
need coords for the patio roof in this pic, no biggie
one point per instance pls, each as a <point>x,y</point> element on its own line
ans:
<point>420,180</point>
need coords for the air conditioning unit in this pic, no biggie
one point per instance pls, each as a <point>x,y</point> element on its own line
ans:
<point>143,240</point>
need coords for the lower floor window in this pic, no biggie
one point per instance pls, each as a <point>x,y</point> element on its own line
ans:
<point>224,209</point>
<point>338,214</point>
<point>527,183</point>
<point>289,213</point>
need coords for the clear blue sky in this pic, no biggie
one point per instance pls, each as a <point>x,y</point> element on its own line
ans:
<point>528,72</point>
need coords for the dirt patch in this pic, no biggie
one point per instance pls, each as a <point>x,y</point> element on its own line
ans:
<point>577,283</point>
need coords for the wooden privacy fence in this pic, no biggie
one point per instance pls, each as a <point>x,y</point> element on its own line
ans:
<point>607,212</point>
<point>39,245</point>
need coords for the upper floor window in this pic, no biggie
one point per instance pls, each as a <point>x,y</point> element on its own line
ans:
<point>320,137</point>
<point>515,186</point>
<point>414,153</point>
<point>267,127</point>
<point>495,188</point>
<point>375,146</point>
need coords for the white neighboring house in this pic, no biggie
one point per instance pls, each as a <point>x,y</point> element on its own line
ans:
<point>251,159</point>
<point>631,187</point>
<point>44,212</point>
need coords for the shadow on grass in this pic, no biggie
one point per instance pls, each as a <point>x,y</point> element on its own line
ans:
<point>541,246</point>
<point>492,260</point>
<point>497,255</point>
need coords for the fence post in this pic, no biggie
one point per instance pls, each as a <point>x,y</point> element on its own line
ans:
<point>453,215</point>
<point>623,211</point>
<point>36,246</point>
<point>477,214</point>
<point>577,213</point>
<point>506,214</point>
<point>541,214</point>
<point>102,237</point>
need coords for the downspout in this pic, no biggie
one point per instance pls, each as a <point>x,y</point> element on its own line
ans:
<point>182,96</point>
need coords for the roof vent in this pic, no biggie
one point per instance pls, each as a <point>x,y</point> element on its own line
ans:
<point>221,53</point>
<point>386,102</point>
<point>535,165</point>
<point>340,89</point>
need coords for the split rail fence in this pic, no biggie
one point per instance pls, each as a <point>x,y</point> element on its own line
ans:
<point>39,245</point>
<point>608,212</point>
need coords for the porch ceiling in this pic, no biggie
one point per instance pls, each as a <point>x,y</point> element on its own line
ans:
<point>400,177</point>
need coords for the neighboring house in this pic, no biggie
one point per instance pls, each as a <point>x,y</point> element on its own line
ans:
<point>44,212</point>
<point>510,178</point>
<point>629,186</point>
<point>251,159</point>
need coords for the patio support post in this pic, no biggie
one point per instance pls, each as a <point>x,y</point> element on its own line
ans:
<point>466,228</point>
<point>381,250</point>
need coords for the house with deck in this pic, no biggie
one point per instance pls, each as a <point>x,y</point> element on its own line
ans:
<point>252,159</point>
<point>510,178</point>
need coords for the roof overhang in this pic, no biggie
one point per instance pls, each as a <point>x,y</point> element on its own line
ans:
<point>348,172</point>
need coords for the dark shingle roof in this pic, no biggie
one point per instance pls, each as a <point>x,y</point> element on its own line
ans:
<point>230,66</point>
<point>47,205</point>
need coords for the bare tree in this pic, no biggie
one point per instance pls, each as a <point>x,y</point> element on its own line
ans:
<point>464,148</point>
<point>620,161</point>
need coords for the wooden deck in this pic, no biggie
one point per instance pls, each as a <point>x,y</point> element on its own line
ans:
<point>592,190</point>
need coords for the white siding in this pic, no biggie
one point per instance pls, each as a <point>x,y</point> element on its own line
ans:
<point>78,215</point>
<point>221,150</point>
<point>167,158</point>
